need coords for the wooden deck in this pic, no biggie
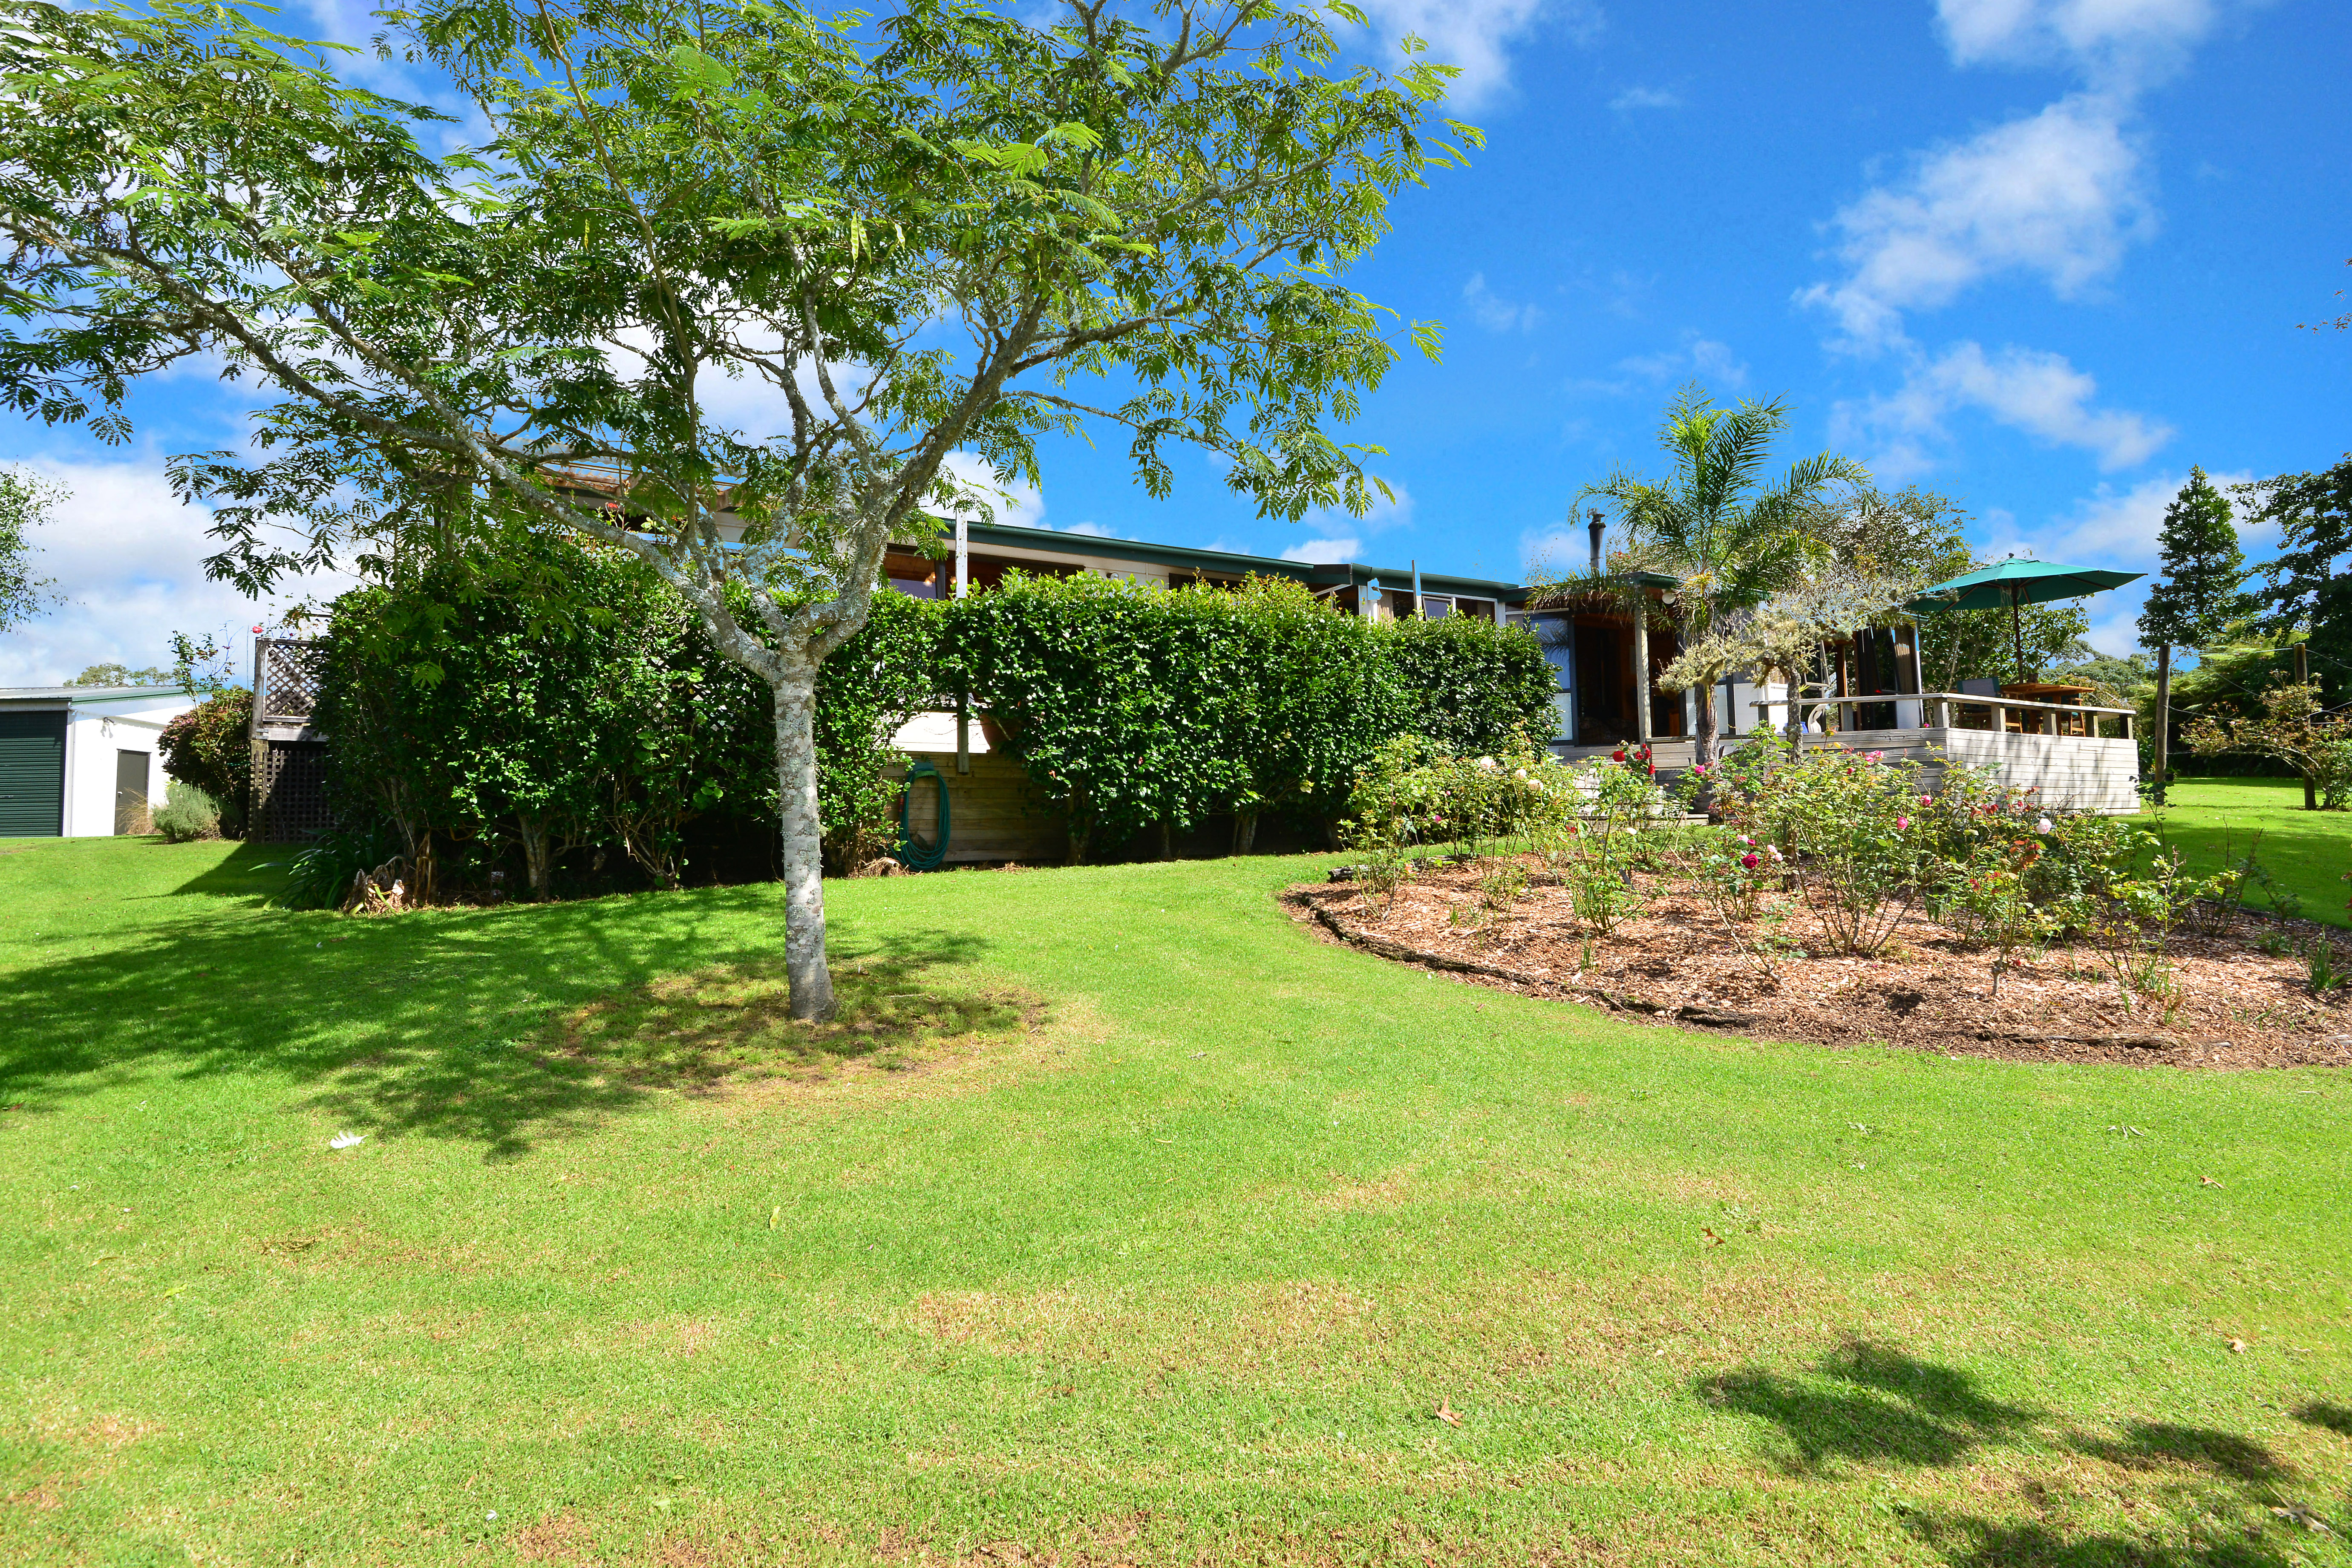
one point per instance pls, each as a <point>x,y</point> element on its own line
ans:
<point>2073,772</point>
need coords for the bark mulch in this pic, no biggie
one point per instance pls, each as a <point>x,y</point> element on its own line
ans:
<point>1929,990</point>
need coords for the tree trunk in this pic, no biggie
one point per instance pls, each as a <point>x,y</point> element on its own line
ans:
<point>2303,677</point>
<point>1166,851</point>
<point>804,853</point>
<point>1245,831</point>
<point>2163,717</point>
<point>1706,746</point>
<point>537,862</point>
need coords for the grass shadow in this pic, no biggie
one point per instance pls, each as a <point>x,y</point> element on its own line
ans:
<point>438,1023</point>
<point>2326,1413</point>
<point>1971,1543</point>
<point>1881,1406</point>
<point>2149,1444</point>
<point>1868,1404</point>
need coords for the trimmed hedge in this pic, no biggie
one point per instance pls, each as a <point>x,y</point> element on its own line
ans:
<point>500,736</point>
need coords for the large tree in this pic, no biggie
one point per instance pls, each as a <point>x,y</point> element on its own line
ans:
<point>2200,586</point>
<point>1726,536</point>
<point>914,235</point>
<point>2309,584</point>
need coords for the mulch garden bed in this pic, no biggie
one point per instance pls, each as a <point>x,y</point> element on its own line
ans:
<point>1930,990</point>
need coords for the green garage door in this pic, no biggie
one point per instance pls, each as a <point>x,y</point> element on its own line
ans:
<point>32,774</point>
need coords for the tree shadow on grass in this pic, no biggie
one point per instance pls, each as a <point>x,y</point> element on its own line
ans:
<point>2326,1413</point>
<point>1983,1544</point>
<point>1869,1403</point>
<point>1883,1407</point>
<point>434,1024</point>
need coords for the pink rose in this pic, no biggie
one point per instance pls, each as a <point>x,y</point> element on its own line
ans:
<point>1748,859</point>
<point>1902,824</point>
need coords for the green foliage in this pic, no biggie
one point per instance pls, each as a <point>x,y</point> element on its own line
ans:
<point>1727,537</point>
<point>188,814</point>
<point>2305,586</point>
<point>1976,645</point>
<point>1847,824</point>
<point>2291,727</point>
<point>457,712</point>
<point>1132,706</point>
<point>208,748</point>
<point>869,686</point>
<point>111,674</point>
<point>1470,688</point>
<point>2200,586</point>
<point>26,501</point>
<point>320,875</point>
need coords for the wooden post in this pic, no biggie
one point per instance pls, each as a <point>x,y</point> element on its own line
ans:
<point>1641,664</point>
<point>2303,677</point>
<point>2163,717</point>
<point>964,732</point>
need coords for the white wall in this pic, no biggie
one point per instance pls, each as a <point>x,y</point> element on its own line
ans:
<point>93,735</point>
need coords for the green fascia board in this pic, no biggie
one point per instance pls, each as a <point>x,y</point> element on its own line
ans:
<point>1228,564</point>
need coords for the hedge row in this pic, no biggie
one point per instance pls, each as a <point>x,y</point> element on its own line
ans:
<point>489,728</point>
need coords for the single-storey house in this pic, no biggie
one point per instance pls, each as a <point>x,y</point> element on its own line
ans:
<point>79,762</point>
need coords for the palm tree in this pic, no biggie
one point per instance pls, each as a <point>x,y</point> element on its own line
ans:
<point>1727,539</point>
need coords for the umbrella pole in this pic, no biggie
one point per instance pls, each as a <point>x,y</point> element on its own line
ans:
<point>2017,634</point>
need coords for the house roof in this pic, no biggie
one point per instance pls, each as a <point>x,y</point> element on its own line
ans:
<point>1315,573</point>
<point>88,696</point>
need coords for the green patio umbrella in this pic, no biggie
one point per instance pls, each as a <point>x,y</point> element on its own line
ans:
<point>2021,580</point>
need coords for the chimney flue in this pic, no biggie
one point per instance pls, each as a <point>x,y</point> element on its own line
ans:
<point>1598,526</point>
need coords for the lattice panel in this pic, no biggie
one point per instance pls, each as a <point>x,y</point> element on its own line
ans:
<point>290,681</point>
<point>293,790</point>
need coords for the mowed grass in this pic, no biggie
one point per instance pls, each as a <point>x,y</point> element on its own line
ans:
<point>1134,1224</point>
<point>2307,853</point>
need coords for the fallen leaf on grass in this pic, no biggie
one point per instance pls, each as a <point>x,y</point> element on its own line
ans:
<point>2207,1182</point>
<point>1712,1239</point>
<point>2237,1347</point>
<point>2303,1516</point>
<point>1448,1414</point>
<point>775,1217</point>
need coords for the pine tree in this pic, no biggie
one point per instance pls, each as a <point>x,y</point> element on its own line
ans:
<point>2199,591</point>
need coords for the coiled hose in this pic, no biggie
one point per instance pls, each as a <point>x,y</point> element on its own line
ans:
<point>913,854</point>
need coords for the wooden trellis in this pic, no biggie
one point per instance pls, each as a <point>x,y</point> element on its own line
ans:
<point>290,756</point>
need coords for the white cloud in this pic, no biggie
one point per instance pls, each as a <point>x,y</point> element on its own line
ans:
<point>1088,530</point>
<point>1342,534</point>
<point>1634,97</point>
<point>1476,35</point>
<point>2060,195</point>
<point>128,557</point>
<point>1013,505</point>
<point>1325,552</point>
<point>1698,356</point>
<point>1495,314</point>
<point>2041,394</point>
<point>2131,42</point>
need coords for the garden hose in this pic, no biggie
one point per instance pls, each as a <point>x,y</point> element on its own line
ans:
<point>913,855</point>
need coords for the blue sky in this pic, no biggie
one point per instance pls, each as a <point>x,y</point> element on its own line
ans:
<point>2040,255</point>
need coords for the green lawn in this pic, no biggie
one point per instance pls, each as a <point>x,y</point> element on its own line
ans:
<point>1145,1229</point>
<point>2307,853</point>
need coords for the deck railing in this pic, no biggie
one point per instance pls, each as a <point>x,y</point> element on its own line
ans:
<point>1951,710</point>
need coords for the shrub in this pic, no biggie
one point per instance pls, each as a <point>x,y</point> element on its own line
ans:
<point>320,877</point>
<point>1470,687</point>
<point>188,813</point>
<point>208,748</point>
<point>1847,824</point>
